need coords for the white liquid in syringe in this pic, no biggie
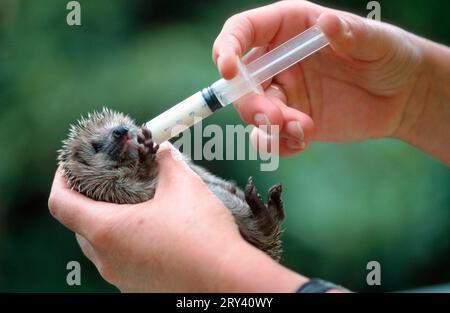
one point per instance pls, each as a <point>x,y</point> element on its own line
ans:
<point>178,118</point>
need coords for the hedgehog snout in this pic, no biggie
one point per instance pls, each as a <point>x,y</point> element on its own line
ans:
<point>120,131</point>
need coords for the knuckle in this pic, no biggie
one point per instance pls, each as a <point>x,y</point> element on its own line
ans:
<point>53,201</point>
<point>359,27</point>
<point>242,28</point>
<point>234,19</point>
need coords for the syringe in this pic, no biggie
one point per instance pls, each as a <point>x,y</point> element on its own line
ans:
<point>223,92</point>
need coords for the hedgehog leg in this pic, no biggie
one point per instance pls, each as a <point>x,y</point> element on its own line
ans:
<point>259,209</point>
<point>274,203</point>
<point>147,148</point>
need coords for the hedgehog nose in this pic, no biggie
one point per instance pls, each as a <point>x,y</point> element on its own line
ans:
<point>120,131</point>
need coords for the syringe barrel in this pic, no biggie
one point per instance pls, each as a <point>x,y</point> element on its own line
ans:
<point>251,76</point>
<point>178,118</point>
<point>287,54</point>
<point>183,115</point>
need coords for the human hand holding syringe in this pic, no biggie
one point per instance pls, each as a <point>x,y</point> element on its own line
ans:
<point>370,83</point>
<point>223,92</point>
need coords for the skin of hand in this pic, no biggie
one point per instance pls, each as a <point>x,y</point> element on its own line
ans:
<point>375,80</point>
<point>184,239</point>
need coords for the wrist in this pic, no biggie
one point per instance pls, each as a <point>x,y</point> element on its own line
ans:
<point>246,269</point>
<point>425,118</point>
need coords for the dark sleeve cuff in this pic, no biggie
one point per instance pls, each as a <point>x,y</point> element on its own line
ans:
<point>316,285</point>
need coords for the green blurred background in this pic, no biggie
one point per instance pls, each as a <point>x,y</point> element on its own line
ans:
<point>346,204</point>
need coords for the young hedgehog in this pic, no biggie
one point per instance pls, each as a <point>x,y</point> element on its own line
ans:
<point>107,157</point>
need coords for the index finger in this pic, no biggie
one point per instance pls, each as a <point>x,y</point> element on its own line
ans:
<point>74,210</point>
<point>259,27</point>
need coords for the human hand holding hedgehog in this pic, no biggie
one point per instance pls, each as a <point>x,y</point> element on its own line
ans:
<point>183,239</point>
<point>108,158</point>
<point>188,233</point>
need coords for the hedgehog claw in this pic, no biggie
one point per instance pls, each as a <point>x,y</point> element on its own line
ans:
<point>147,148</point>
<point>140,138</point>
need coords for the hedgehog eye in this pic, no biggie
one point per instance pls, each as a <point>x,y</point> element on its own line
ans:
<point>97,146</point>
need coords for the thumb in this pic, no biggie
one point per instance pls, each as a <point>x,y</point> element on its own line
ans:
<point>173,171</point>
<point>357,37</point>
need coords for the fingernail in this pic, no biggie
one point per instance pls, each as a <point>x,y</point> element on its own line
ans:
<point>295,144</point>
<point>261,119</point>
<point>344,26</point>
<point>295,130</point>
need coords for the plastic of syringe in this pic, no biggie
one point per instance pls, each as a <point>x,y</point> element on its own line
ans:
<point>287,54</point>
<point>195,108</point>
<point>270,64</point>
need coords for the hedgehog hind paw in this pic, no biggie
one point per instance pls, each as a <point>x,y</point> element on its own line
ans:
<point>274,203</point>
<point>261,213</point>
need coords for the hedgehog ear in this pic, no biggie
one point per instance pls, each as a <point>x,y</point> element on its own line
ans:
<point>96,145</point>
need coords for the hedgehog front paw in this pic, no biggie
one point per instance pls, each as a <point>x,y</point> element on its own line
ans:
<point>147,148</point>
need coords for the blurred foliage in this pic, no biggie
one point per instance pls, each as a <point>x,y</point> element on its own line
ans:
<point>346,204</point>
